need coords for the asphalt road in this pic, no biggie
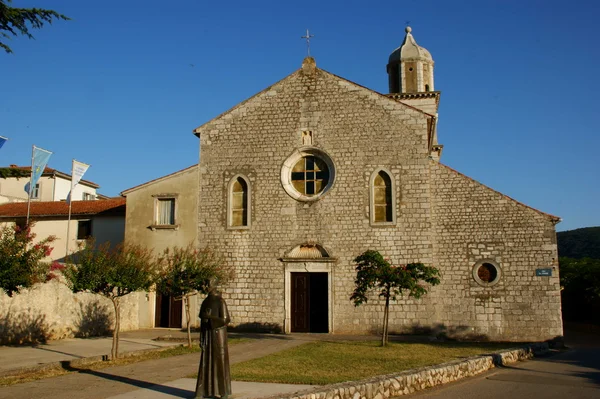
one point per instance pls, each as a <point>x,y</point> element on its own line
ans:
<point>571,374</point>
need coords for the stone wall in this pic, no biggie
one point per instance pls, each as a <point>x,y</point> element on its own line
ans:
<point>52,311</point>
<point>473,222</point>
<point>361,131</point>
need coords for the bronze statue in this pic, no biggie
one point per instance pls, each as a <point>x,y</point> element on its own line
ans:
<point>214,379</point>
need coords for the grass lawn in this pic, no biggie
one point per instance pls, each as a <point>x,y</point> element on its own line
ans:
<point>174,351</point>
<point>320,363</point>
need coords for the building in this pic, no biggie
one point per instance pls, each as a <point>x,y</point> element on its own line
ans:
<point>163,213</point>
<point>301,178</point>
<point>104,220</point>
<point>53,185</point>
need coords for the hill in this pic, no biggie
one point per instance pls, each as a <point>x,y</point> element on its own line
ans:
<point>579,243</point>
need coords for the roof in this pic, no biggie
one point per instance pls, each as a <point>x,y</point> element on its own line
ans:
<point>197,131</point>
<point>61,208</point>
<point>554,219</point>
<point>410,50</point>
<point>129,190</point>
<point>53,172</point>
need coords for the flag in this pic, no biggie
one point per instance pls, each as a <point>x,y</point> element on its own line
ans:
<point>78,170</point>
<point>38,164</point>
<point>2,141</point>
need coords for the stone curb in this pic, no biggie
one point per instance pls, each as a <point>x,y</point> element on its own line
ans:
<point>71,364</point>
<point>406,382</point>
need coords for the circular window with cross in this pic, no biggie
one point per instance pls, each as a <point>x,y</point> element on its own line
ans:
<point>307,174</point>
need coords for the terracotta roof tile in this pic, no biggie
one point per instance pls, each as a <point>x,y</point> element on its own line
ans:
<point>61,208</point>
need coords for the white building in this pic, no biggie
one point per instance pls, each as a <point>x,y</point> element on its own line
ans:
<point>53,185</point>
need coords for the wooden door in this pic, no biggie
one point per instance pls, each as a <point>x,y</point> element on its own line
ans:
<point>168,312</point>
<point>175,312</point>
<point>300,302</point>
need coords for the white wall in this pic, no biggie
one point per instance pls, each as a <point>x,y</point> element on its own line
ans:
<point>53,311</point>
<point>104,228</point>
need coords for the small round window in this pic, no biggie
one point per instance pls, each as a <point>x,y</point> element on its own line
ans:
<point>307,174</point>
<point>486,272</point>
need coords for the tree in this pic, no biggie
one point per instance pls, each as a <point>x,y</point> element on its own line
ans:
<point>15,21</point>
<point>373,271</point>
<point>21,263</point>
<point>580,289</point>
<point>185,272</point>
<point>14,172</point>
<point>112,273</point>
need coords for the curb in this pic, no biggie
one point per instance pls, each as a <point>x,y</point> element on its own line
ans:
<point>73,364</point>
<point>406,382</point>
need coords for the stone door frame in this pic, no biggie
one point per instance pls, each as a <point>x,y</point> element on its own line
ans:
<point>312,266</point>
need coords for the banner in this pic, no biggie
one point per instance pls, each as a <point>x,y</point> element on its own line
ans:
<point>38,164</point>
<point>78,170</point>
<point>2,141</point>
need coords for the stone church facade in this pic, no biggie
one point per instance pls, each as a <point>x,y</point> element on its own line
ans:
<point>301,178</point>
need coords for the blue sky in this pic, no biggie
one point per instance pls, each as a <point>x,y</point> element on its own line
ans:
<point>123,84</point>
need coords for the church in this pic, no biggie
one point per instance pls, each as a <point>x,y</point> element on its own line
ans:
<point>298,180</point>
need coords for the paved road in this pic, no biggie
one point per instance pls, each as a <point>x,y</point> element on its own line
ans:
<point>574,374</point>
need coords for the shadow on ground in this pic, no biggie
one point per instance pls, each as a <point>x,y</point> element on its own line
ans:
<point>182,393</point>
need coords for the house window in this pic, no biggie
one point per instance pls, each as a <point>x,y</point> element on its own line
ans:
<point>88,197</point>
<point>84,229</point>
<point>35,193</point>
<point>382,198</point>
<point>307,174</point>
<point>239,202</point>
<point>165,212</point>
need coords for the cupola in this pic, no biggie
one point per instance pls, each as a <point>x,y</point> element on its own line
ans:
<point>410,67</point>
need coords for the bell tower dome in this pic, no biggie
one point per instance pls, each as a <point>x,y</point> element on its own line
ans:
<point>410,67</point>
<point>410,75</point>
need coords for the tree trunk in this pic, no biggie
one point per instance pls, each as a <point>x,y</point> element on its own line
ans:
<point>386,316</point>
<point>114,353</point>
<point>186,300</point>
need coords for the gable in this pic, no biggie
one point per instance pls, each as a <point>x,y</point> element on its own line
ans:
<point>321,101</point>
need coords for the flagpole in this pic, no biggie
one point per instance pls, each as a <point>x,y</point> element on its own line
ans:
<point>30,188</point>
<point>70,198</point>
<point>78,169</point>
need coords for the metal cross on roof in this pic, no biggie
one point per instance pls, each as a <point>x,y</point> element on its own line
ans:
<point>307,37</point>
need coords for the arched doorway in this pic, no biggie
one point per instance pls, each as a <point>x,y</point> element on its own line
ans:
<point>308,289</point>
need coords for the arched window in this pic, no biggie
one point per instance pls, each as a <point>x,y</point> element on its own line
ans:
<point>382,198</point>
<point>239,203</point>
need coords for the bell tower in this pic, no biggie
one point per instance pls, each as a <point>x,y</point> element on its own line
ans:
<point>410,77</point>
<point>410,67</point>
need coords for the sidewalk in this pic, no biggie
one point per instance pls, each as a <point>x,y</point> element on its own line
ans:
<point>161,378</point>
<point>18,357</point>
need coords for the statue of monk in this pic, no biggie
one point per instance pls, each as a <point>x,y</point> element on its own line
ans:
<point>214,379</point>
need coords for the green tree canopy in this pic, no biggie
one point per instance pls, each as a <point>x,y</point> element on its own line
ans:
<point>21,263</point>
<point>17,21</point>
<point>112,273</point>
<point>374,272</point>
<point>579,243</point>
<point>580,289</point>
<point>187,271</point>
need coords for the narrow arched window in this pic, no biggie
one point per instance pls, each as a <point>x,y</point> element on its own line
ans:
<point>239,202</point>
<point>382,198</point>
